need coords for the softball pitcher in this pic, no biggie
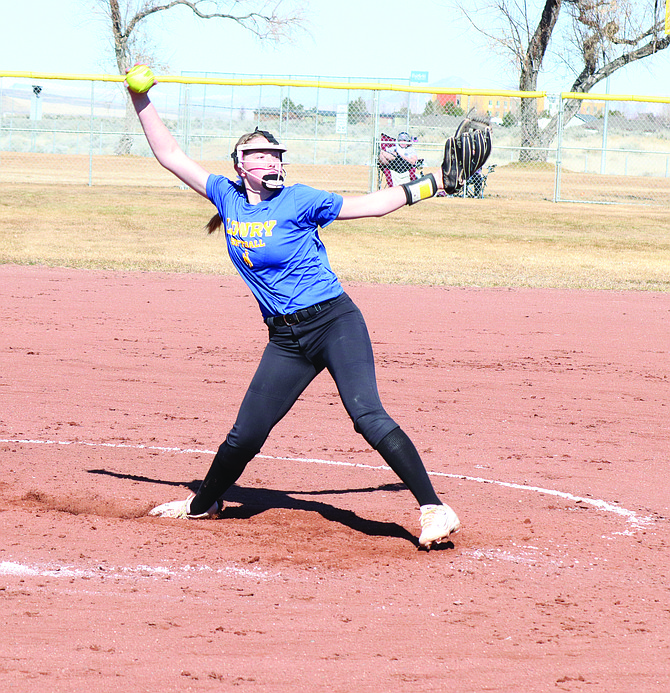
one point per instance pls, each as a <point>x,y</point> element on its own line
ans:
<point>272,233</point>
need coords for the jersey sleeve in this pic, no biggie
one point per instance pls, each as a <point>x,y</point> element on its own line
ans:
<point>216,188</point>
<point>317,207</point>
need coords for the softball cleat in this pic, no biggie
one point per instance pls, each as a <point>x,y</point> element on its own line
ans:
<point>181,510</point>
<point>437,523</point>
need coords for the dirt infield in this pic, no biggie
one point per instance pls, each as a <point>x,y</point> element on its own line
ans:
<point>542,415</point>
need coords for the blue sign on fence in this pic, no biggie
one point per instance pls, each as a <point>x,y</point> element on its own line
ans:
<point>418,76</point>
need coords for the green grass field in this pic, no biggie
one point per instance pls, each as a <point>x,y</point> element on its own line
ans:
<point>495,242</point>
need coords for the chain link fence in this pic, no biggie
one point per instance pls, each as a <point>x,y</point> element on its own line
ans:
<point>584,148</point>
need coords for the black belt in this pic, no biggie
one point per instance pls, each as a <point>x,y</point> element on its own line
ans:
<point>299,316</point>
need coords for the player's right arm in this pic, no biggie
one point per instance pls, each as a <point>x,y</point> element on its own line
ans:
<point>165,148</point>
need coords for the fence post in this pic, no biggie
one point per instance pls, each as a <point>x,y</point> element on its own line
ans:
<point>346,134</point>
<point>2,124</point>
<point>202,123</point>
<point>603,155</point>
<point>184,123</point>
<point>184,118</point>
<point>376,129</point>
<point>316,123</point>
<point>230,112</point>
<point>90,136</point>
<point>559,145</point>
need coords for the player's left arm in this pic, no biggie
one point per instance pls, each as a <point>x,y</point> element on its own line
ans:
<point>382,202</point>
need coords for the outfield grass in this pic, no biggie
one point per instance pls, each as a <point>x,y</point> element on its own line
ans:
<point>495,242</point>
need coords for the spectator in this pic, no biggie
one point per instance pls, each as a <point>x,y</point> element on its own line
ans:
<point>399,160</point>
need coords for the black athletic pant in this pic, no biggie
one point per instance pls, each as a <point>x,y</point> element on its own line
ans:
<point>336,339</point>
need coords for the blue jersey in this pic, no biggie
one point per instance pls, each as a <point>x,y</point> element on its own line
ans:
<point>275,244</point>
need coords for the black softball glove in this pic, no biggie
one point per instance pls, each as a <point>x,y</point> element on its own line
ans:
<point>465,152</point>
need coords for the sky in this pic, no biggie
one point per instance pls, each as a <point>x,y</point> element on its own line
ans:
<point>365,39</point>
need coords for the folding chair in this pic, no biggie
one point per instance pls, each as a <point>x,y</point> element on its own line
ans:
<point>392,169</point>
<point>475,185</point>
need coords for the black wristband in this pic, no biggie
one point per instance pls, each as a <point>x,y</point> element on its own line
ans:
<point>420,189</point>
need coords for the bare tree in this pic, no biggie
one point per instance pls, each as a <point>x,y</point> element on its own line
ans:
<point>599,37</point>
<point>130,27</point>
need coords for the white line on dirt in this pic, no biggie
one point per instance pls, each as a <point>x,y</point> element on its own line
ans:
<point>139,571</point>
<point>630,516</point>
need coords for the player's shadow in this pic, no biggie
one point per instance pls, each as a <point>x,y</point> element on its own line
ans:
<point>253,501</point>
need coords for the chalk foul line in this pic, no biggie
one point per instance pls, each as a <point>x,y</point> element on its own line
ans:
<point>120,572</point>
<point>630,516</point>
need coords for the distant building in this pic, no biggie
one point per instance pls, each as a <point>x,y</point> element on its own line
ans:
<point>495,106</point>
<point>444,99</point>
<point>593,108</point>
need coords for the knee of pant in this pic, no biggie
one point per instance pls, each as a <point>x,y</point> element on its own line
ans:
<point>249,441</point>
<point>230,456</point>
<point>374,426</point>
